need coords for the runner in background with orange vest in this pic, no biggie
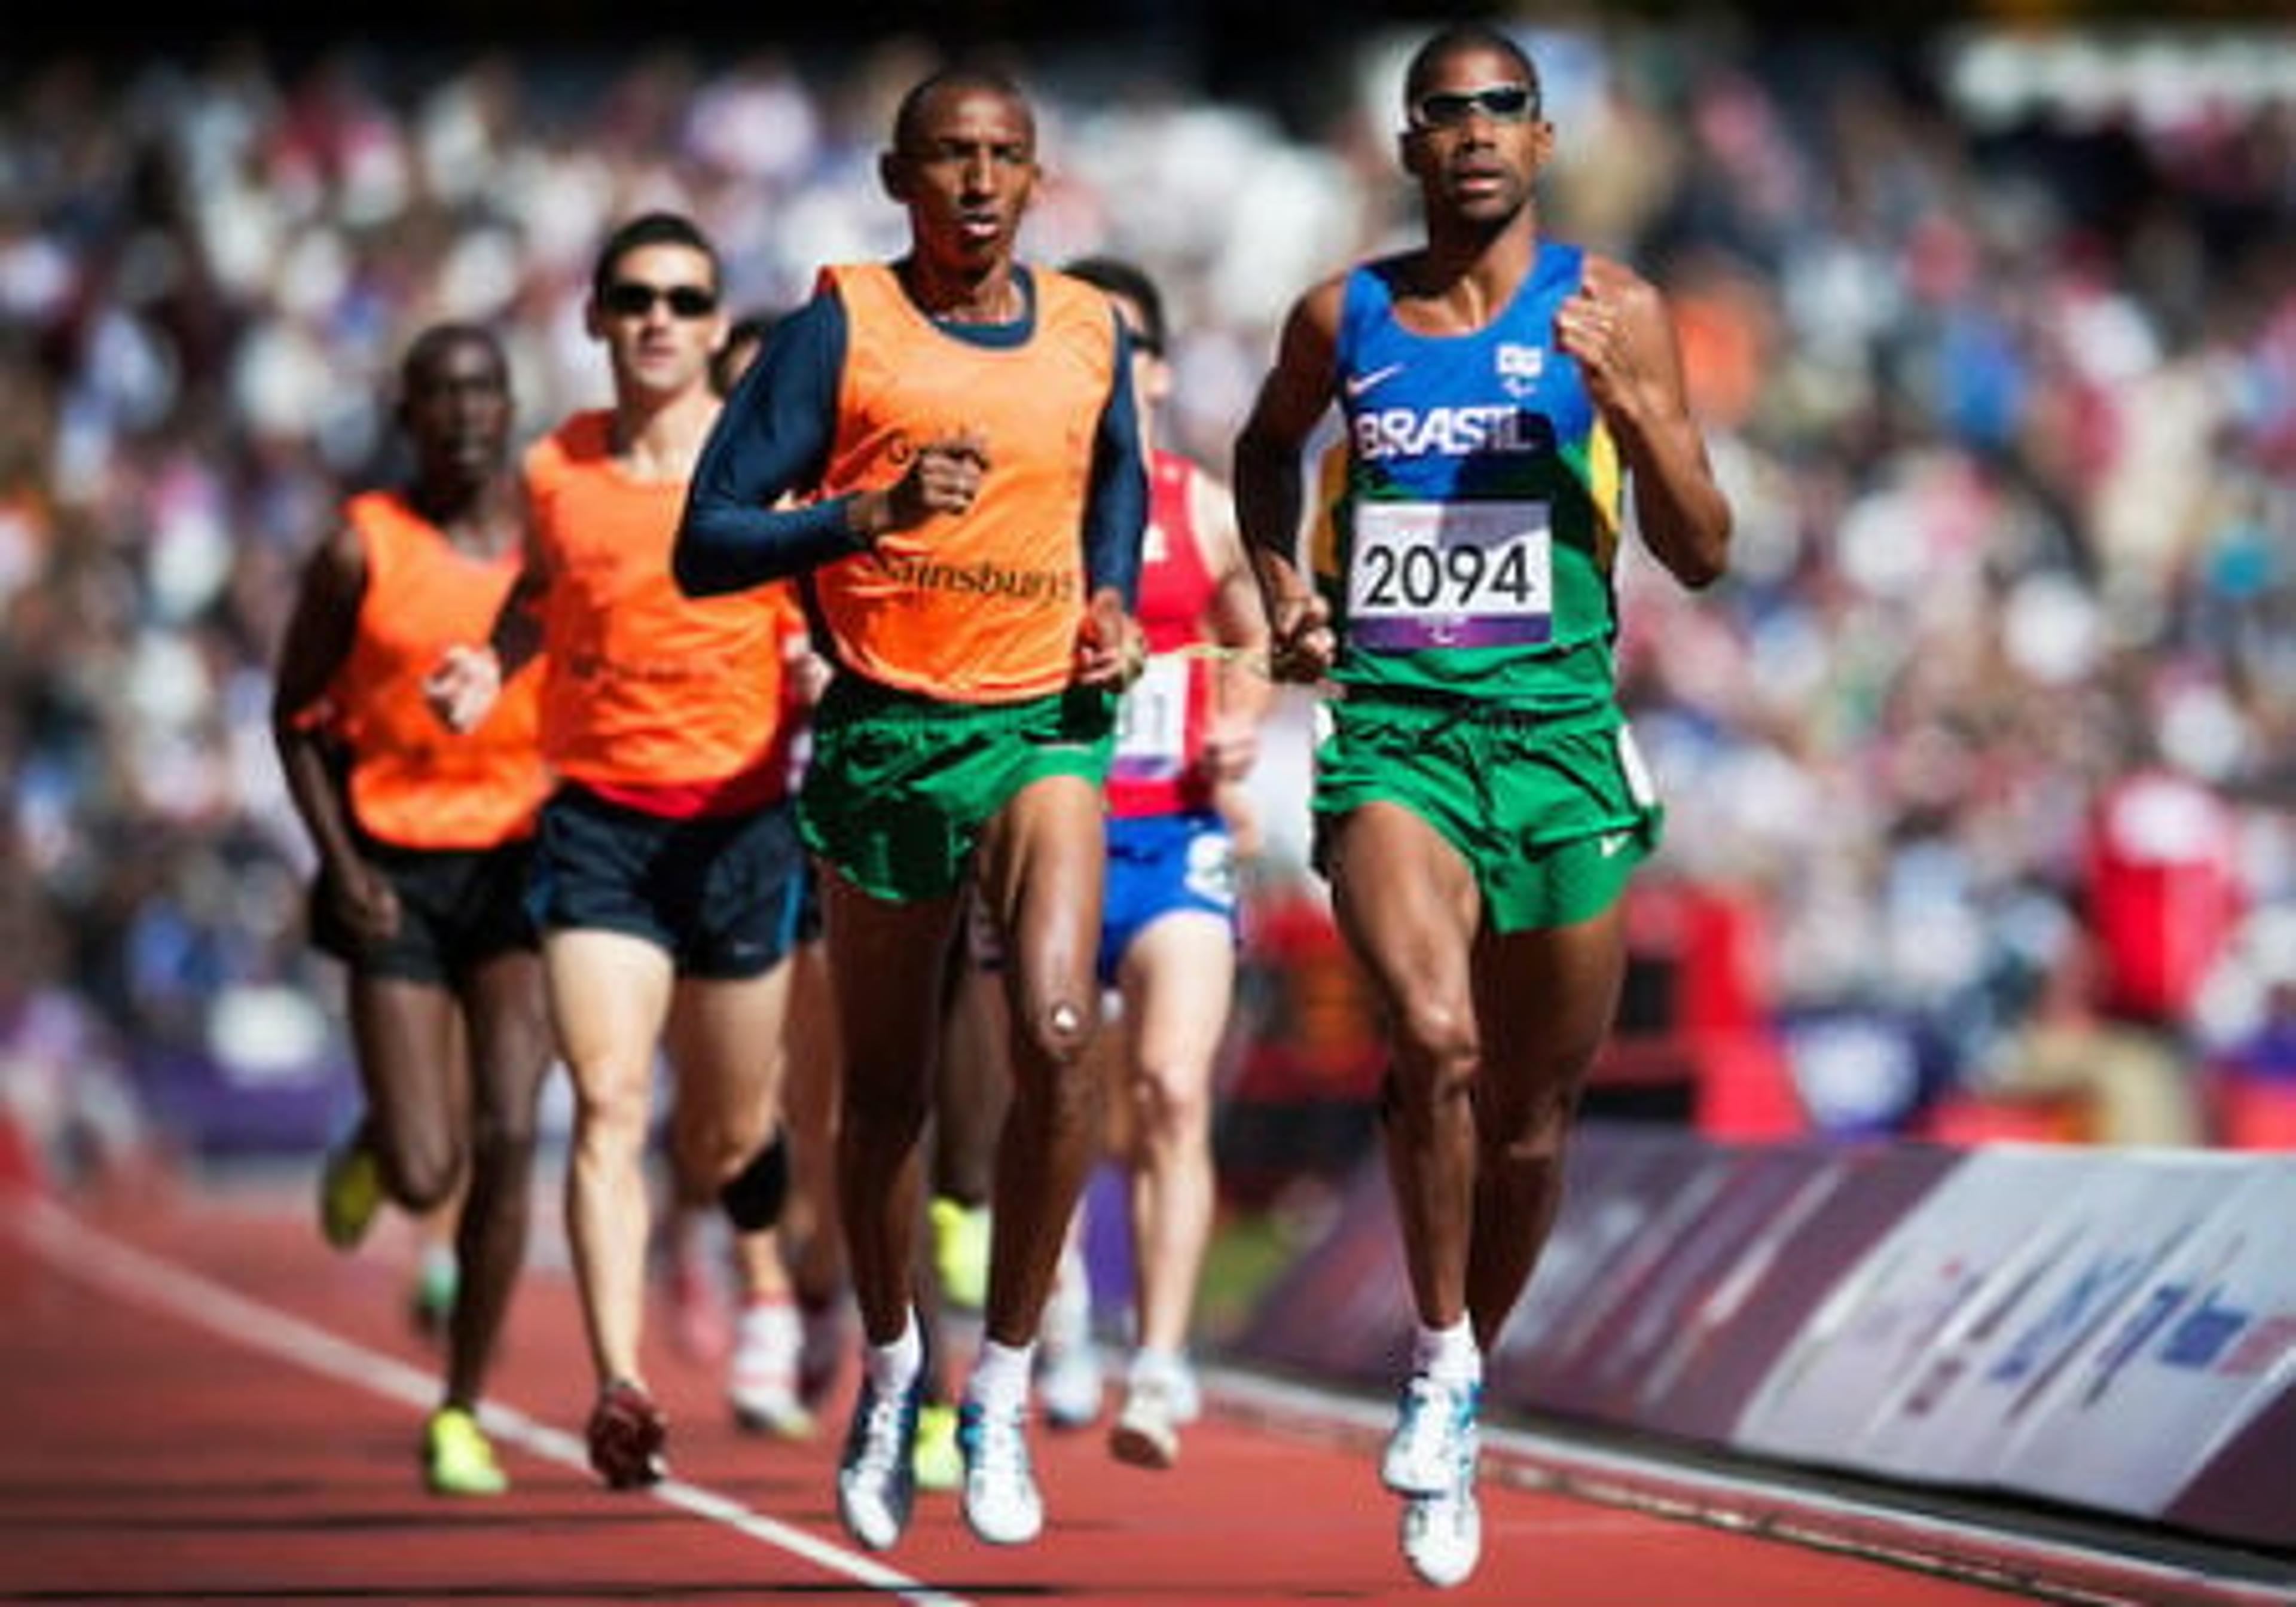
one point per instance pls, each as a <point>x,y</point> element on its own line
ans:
<point>967,423</point>
<point>666,877</point>
<point>424,842</point>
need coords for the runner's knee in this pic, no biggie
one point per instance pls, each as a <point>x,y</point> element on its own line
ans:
<point>1062,1028</point>
<point>1437,1055</point>
<point>883,1114</point>
<point>1439,1047</point>
<point>1532,1126</point>
<point>426,1176</point>
<point>506,1137</point>
<point>1166,1103</point>
<point>612,1113</point>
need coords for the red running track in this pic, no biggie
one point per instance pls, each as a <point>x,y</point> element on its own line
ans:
<point>204,1404</point>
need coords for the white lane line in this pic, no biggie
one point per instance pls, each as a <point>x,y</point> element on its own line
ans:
<point>78,1250</point>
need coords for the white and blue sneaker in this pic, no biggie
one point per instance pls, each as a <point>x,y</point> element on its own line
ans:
<point>1443,1534</point>
<point>1000,1501</point>
<point>876,1475</point>
<point>1434,1429</point>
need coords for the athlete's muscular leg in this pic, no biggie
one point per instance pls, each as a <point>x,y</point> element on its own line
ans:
<point>973,1087</point>
<point>609,997</point>
<point>812,1234</point>
<point>408,1035</point>
<point>885,965</point>
<point>1178,977</point>
<point>1041,868</point>
<point>510,1049</point>
<point>726,1053</point>
<point>1545,998</point>
<point>1408,906</point>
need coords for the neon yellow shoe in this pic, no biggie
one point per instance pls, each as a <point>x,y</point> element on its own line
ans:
<point>458,1458</point>
<point>937,1461</point>
<point>961,1234</point>
<point>351,1192</point>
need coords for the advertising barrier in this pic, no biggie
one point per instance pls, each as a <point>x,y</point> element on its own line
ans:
<point>2110,1329</point>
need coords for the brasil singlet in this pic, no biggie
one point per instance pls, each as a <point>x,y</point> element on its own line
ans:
<point>1159,725</point>
<point>412,782</point>
<point>1469,547</point>
<point>981,608</point>
<point>649,690</point>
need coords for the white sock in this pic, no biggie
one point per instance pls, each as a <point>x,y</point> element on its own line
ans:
<point>893,1368</point>
<point>1000,1378</point>
<point>1448,1356</point>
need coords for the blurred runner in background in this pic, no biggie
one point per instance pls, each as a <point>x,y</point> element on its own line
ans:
<point>425,842</point>
<point>666,879</point>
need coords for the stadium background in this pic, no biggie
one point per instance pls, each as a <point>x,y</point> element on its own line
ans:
<point>1984,751</point>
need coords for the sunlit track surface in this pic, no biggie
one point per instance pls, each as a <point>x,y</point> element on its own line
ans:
<point>205,1405</point>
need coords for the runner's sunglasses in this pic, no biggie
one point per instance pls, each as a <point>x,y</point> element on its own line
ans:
<point>627,299</point>
<point>1451,108</point>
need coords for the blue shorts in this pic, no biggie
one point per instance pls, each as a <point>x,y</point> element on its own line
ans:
<point>1157,864</point>
<point>718,893</point>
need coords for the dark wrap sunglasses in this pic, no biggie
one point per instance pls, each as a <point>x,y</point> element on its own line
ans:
<point>627,299</point>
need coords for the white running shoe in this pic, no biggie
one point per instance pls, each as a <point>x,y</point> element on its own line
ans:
<point>1147,1430</point>
<point>1000,1502</point>
<point>1434,1427</point>
<point>876,1475</point>
<point>763,1383</point>
<point>1443,1535</point>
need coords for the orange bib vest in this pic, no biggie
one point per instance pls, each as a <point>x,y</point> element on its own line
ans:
<point>981,608</point>
<point>413,782</point>
<point>648,688</point>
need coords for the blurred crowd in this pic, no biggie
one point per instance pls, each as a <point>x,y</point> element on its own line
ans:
<point>1995,339</point>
